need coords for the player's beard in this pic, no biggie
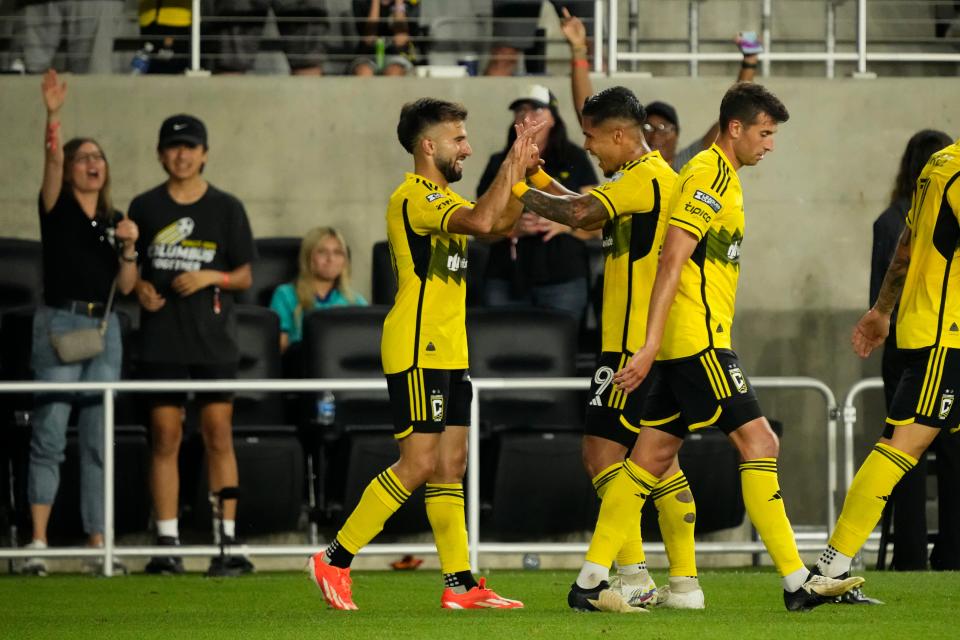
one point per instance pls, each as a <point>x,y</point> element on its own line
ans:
<point>448,167</point>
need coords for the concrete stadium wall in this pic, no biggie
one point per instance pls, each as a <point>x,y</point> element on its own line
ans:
<point>301,153</point>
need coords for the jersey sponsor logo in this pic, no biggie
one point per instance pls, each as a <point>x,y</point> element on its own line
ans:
<point>739,380</point>
<point>436,406</point>
<point>946,403</point>
<point>616,236</point>
<point>733,251</point>
<point>434,196</point>
<point>448,262</point>
<point>724,247</point>
<point>708,200</point>
<point>700,212</point>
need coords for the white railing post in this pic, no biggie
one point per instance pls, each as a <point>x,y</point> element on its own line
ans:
<point>765,20</point>
<point>108,517</point>
<point>195,37</point>
<point>598,19</point>
<point>473,481</point>
<point>612,26</point>
<point>830,44</point>
<point>694,36</point>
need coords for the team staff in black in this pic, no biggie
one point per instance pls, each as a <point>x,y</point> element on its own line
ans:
<point>195,251</point>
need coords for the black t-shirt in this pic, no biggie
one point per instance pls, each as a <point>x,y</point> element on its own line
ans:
<point>562,259</point>
<point>79,258</point>
<point>212,233</point>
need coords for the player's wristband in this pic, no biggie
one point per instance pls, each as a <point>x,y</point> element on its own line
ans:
<point>541,179</point>
<point>519,189</point>
<point>225,282</point>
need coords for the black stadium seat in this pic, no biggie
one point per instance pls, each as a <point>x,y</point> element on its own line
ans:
<point>275,264</point>
<point>21,272</point>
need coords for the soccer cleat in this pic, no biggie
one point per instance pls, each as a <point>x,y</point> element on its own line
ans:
<point>600,598</point>
<point>406,563</point>
<point>638,589</point>
<point>855,595</point>
<point>479,597</point>
<point>818,590</point>
<point>683,593</point>
<point>170,565</point>
<point>34,566</point>
<point>229,565</point>
<point>333,582</point>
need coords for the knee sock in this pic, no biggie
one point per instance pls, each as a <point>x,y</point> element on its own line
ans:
<point>380,500</point>
<point>764,503</point>
<point>868,494</point>
<point>677,518</point>
<point>630,558</point>
<point>619,514</point>
<point>444,504</point>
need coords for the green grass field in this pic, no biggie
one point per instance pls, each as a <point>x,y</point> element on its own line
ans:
<point>405,605</point>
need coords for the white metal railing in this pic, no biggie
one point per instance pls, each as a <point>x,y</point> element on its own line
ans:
<point>109,551</point>
<point>850,420</point>
<point>830,56</point>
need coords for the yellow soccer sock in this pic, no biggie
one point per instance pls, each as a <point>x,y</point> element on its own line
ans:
<point>632,550</point>
<point>445,513</point>
<point>380,500</point>
<point>620,512</point>
<point>677,517</point>
<point>761,496</point>
<point>868,494</point>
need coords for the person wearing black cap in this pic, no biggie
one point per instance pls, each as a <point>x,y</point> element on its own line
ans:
<point>662,128</point>
<point>542,263</point>
<point>195,250</point>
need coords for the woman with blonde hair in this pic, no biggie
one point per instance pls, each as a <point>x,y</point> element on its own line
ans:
<point>323,281</point>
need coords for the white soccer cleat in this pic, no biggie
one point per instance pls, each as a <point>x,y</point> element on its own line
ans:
<point>683,593</point>
<point>638,589</point>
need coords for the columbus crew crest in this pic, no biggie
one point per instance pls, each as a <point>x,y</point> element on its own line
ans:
<point>436,407</point>
<point>946,403</point>
<point>738,379</point>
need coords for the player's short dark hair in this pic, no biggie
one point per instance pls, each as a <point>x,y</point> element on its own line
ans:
<point>745,101</point>
<point>420,114</point>
<point>614,102</point>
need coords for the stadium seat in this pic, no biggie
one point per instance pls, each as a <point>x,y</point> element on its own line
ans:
<point>275,264</point>
<point>21,272</point>
<point>258,335</point>
<point>525,343</point>
<point>384,281</point>
<point>540,487</point>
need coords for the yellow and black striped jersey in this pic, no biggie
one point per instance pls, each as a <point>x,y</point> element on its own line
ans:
<point>635,199</point>
<point>426,327</point>
<point>708,202</point>
<point>929,313</point>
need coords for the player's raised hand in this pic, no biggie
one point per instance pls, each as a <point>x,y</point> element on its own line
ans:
<point>870,332</point>
<point>573,30</point>
<point>529,129</point>
<point>635,371</point>
<point>54,91</point>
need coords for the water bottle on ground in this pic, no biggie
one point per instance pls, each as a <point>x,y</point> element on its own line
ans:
<point>326,409</point>
<point>140,64</point>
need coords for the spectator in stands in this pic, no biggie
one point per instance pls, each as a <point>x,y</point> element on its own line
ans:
<point>237,26</point>
<point>662,128</point>
<point>542,263</point>
<point>168,22</point>
<point>195,251</point>
<point>514,28</point>
<point>387,29</point>
<point>908,499</point>
<point>87,29</point>
<point>322,282</point>
<point>88,247</point>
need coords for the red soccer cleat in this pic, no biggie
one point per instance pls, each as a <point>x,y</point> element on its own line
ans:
<point>477,598</point>
<point>333,582</point>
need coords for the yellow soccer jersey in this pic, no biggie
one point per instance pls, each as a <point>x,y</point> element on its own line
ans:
<point>426,327</point>
<point>930,305</point>
<point>708,202</point>
<point>635,199</point>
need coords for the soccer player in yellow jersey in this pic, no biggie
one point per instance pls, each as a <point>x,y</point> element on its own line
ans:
<point>630,209</point>
<point>926,269</point>
<point>424,349</point>
<point>699,380</point>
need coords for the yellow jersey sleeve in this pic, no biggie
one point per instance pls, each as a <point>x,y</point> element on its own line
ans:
<point>428,210</point>
<point>626,193</point>
<point>700,200</point>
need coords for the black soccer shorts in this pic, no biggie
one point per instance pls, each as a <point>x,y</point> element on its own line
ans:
<point>427,400</point>
<point>926,393</point>
<point>611,413</point>
<point>709,389</point>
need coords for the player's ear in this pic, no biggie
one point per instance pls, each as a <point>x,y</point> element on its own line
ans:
<point>734,129</point>
<point>427,146</point>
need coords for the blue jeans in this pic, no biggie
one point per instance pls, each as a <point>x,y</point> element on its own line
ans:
<point>52,411</point>
<point>570,297</point>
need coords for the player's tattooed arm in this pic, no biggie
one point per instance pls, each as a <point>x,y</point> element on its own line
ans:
<point>896,275</point>
<point>578,211</point>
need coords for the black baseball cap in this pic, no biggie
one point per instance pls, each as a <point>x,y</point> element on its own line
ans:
<point>182,129</point>
<point>665,111</point>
